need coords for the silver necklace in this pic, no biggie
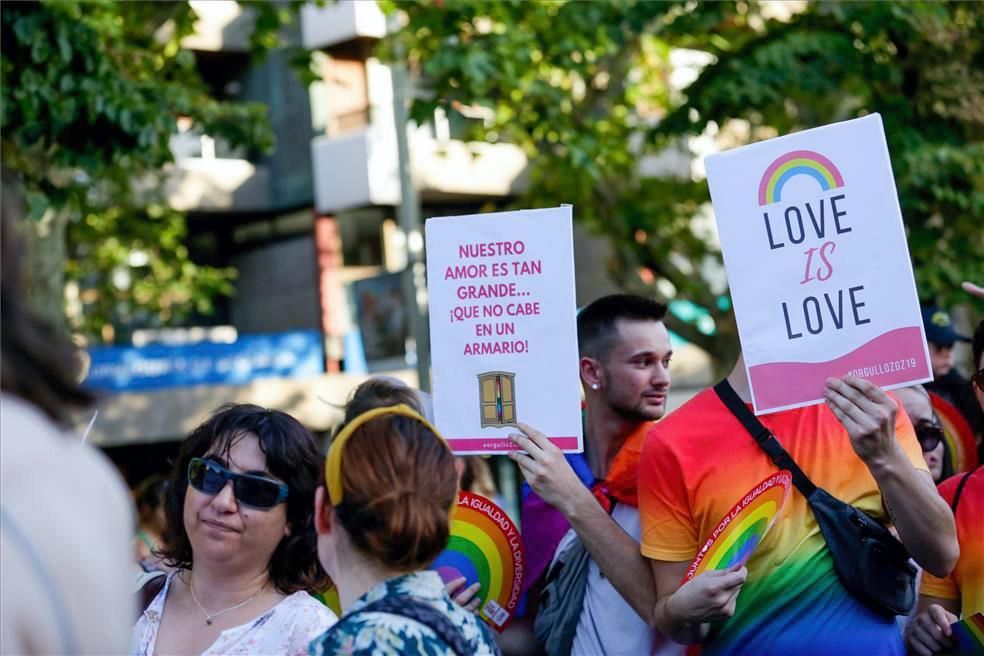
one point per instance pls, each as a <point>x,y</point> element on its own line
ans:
<point>209,618</point>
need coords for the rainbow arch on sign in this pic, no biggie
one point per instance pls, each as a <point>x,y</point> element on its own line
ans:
<point>744,527</point>
<point>480,551</point>
<point>959,436</point>
<point>796,163</point>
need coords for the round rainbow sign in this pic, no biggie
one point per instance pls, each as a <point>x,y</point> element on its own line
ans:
<point>485,546</point>
<point>958,434</point>
<point>743,528</point>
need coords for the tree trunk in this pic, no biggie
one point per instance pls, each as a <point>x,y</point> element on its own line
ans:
<point>46,266</point>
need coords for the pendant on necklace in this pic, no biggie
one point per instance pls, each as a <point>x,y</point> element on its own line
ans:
<point>209,621</point>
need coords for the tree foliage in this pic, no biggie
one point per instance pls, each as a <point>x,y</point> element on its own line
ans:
<point>90,96</point>
<point>588,90</point>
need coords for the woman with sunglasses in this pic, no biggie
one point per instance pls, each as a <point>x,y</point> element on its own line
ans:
<point>382,518</point>
<point>240,531</point>
<point>916,403</point>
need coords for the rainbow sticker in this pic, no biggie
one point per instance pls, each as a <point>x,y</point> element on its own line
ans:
<point>485,546</point>
<point>968,634</point>
<point>792,164</point>
<point>743,529</point>
<point>959,436</point>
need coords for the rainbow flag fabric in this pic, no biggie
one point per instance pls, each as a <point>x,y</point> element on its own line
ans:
<point>968,634</point>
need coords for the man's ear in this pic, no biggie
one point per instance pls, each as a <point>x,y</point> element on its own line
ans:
<point>591,373</point>
<point>323,511</point>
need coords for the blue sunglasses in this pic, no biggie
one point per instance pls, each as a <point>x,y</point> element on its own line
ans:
<point>210,477</point>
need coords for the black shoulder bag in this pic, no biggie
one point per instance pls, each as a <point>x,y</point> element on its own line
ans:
<point>870,562</point>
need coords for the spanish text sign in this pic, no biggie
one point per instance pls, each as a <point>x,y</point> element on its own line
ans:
<point>818,263</point>
<point>503,331</point>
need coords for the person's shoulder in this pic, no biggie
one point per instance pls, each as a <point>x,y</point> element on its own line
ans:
<point>39,453</point>
<point>474,630</point>
<point>370,632</point>
<point>304,605</point>
<point>692,416</point>
<point>948,488</point>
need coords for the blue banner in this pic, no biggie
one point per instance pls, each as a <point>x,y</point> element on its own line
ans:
<point>282,355</point>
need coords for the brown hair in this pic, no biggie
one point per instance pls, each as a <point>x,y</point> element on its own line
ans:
<point>380,392</point>
<point>292,456</point>
<point>40,365</point>
<point>399,484</point>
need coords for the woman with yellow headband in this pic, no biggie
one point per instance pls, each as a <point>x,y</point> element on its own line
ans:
<point>382,518</point>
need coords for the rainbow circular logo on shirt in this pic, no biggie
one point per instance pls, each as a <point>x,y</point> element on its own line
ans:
<point>742,530</point>
<point>485,546</point>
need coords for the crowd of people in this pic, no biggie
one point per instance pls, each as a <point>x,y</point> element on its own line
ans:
<point>255,523</point>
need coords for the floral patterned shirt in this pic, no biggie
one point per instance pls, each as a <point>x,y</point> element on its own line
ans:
<point>286,629</point>
<point>385,634</point>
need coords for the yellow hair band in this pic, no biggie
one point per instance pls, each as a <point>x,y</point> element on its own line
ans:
<point>333,462</point>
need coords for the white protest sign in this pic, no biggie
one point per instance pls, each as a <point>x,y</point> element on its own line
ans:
<point>818,263</point>
<point>503,328</point>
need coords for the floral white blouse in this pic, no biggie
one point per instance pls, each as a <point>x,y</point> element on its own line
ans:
<point>287,628</point>
<point>385,634</point>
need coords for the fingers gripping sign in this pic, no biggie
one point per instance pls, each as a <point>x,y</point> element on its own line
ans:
<point>709,596</point>
<point>466,597</point>
<point>930,632</point>
<point>867,414</point>
<point>546,470</point>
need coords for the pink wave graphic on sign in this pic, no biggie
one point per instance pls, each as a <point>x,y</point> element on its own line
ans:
<point>897,356</point>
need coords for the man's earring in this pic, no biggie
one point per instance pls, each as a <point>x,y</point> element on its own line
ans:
<point>594,386</point>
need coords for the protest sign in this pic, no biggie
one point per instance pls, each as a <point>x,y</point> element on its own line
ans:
<point>503,332</point>
<point>485,547</point>
<point>742,530</point>
<point>818,263</point>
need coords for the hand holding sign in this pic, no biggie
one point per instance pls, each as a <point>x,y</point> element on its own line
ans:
<point>868,415</point>
<point>547,471</point>
<point>930,632</point>
<point>708,597</point>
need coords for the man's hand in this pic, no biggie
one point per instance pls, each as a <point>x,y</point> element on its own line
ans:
<point>930,633</point>
<point>547,471</point>
<point>707,597</point>
<point>868,415</point>
<point>467,598</point>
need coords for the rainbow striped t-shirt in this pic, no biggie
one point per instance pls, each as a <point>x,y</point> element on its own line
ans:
<point>699,461</point>
<point>966,581</point>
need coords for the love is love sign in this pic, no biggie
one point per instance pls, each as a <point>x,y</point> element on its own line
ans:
<point>818,263</point>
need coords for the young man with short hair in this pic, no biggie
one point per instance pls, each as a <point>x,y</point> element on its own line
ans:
<point>624,363</point>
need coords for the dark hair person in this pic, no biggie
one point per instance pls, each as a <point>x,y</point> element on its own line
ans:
<point>240,531</point>
<point>382,518</point>
<point>65,517</point>
<point>148,498</point>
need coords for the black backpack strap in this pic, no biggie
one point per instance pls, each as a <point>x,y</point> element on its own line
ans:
<point>764,437</point>
<point>960,487</point>
<point>424,614</point>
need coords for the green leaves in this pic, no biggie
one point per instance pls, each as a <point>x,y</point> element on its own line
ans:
<point>91,92</point>
<point>585,89</point>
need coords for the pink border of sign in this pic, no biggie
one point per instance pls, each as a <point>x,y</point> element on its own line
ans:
<point>500,444</point>
<point>779,385</point>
